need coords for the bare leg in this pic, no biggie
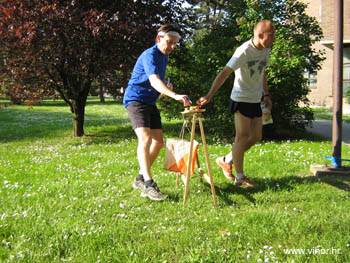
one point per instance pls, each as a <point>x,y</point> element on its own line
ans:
<point>248,132</point>
<point>157,144</point>
<point>149,144</point>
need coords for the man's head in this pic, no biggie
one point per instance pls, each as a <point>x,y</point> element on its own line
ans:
<point>167,38</point>
<point>264,34</point>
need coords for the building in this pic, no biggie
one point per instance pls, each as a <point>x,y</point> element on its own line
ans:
<point>321,81</point>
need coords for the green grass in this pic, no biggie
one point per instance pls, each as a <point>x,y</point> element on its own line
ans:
<point>65,199</point>
<point>324,113</point>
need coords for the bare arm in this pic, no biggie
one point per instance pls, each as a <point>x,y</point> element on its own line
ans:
<point>160,86</point>
<point>219,80</point>
<point>267,99</point>
<point>169,86</point>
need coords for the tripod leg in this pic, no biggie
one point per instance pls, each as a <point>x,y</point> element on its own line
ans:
<point>207,160</point>
<point>189,166</point>
<point>200,170</point>
<point>177,179</point>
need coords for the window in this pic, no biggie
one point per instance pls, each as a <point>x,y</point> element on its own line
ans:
<point>346,69</point>
<point>311,78</point>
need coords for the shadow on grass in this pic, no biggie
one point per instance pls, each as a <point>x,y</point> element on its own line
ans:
<point>49,124</point>
<point>90,102</point>
<point>341,182</point>
<point>113,134</point>
<point>21,125</point>
<point>224,191</point>
<point>172,197</point>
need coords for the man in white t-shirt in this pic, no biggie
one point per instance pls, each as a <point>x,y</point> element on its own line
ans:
<point>248,62</point>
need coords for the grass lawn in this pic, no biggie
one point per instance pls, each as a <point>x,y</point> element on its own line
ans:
<point>65,199</point>
<point>324,113</point>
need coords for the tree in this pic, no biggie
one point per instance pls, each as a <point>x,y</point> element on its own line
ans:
<point>208,13</point>
<point>292,53</point>
<point>64,46</point>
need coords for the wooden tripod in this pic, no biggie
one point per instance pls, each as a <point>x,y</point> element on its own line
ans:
<point>197,114</point>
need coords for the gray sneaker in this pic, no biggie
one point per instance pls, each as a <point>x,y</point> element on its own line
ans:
<point>138,184</point>
<point>153,192</point>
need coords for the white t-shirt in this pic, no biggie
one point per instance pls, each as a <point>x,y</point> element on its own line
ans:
<point>249,64</point>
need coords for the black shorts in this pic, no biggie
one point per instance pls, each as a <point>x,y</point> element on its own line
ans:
<point>144,115</point>
<point>250,110</point>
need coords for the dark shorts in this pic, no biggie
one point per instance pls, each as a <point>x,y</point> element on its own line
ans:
<point>250,110</point>
<point>144,115</point>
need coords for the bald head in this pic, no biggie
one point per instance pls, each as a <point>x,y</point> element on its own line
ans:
<point>264,34</point>
<point>262,26</point>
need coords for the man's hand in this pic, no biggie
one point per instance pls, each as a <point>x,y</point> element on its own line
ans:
<point>268,102</point>
<point>184,99</point>
<point>203,100</point>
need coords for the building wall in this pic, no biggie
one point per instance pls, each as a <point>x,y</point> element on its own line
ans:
<point>324,12</point>
<point>328,18</point>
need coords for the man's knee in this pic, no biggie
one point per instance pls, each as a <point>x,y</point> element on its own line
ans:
<point>242,137</point>
<point>145,140</point>
<point>254,139</point>
<point>257,138</point>
<point>158,143</point>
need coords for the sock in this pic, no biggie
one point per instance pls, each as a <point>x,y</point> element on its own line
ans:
<point>139,177</point>
<point>149,182</point>
<point>240,176</point>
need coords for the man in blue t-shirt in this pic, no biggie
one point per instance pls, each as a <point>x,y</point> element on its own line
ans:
<point>146,84</point>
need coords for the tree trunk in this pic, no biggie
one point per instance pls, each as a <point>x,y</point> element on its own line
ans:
<point>16,101</point>
<point>102,97</point>
<point>78,117</point>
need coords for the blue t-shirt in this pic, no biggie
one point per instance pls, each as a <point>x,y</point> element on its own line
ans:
<point>151,61</point>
